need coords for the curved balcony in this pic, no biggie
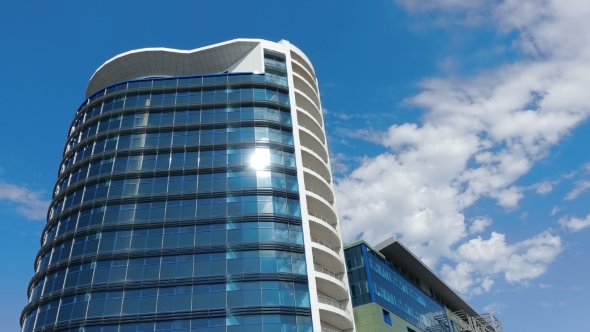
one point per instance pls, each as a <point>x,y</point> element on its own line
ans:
<point>312,126</point>
<point>320,210</point>
<point>327,257</point>
<point>305,103</point>
<point>299,70</point>
<point>303,62</point>
<point>329,328</point>
<point>330,283</point>
<point>334,313</point>
<point>301,85</point>
<point>313,145</point>
<point>321,229</point>
<point>317,186</point>
<point>313,163</point>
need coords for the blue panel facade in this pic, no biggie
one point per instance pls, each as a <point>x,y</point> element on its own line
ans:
<point>176,209</point>
<point>374,279</point>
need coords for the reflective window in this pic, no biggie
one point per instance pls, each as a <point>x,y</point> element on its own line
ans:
<point>179,138</point>
<point>235,323</point>
<point>237,92</point>
<point>178,209</point>
<point>181,117</point>
<point>256,158</point>
<point>176,184</point>
<point>202,265</point>
<point>173,237</point>
<point>176,299</point>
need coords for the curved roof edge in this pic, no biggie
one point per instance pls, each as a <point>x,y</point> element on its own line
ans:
<point>160,61</point>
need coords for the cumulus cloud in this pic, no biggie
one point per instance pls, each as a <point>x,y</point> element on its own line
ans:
<point>480,259</point>
<point>479,224</point>
<point>580,188</point>
<point>574,224</point>
<point>26,202</point>
<point>477,137</point>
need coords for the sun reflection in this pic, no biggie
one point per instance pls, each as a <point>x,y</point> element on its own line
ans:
<point>260,159</point>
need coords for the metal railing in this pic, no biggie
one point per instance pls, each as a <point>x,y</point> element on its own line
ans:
<point>325,329</point>
<point>321,269</point>
<point>324,243</point>
<point>321,217</point>
<point>331,302</point>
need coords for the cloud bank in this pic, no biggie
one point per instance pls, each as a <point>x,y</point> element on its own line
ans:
<point>477,137</point>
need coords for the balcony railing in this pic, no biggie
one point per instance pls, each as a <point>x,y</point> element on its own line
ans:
<point>321,269</point>
<point>331,302</point>
<point>325,329</point>
<point>321,217</point>
<point>324,243</point>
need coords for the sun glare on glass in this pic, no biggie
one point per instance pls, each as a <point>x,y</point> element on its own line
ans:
<point>260,159</point>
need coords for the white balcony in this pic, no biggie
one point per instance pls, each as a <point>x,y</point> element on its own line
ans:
<point>327,256</point>
<point>330,283</point>
<point>334,313</point>
<point>314,163</point>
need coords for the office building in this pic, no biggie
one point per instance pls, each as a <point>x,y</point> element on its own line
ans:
<point>393,291</point>
<point>194,194</point>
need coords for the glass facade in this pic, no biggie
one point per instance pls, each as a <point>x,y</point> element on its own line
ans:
<point>374,279</point>
<point>176,209</point>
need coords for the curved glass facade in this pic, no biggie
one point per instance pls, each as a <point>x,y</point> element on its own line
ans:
<point>177,199</point>
<point>184,200</point>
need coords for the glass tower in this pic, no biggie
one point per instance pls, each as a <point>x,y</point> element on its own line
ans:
<point>194,194</point>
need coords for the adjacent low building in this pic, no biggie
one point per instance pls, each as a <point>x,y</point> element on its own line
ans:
<point>393,291</point>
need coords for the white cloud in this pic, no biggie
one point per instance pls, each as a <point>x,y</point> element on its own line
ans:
<point>26,202</point>
<point>569,175</point>
<point>542,285</point>
<point>482,259</point>
<point>586,167</point>
<point>575,224</point>
<point>555,210</point>
<point>494,308</point>
<point>543,187</point>
<point>580,188</point>
<point>544,304</point>
<point>441,4</point>
<point>479,224</point>
<point>339,163</point>
<point>477,137</point>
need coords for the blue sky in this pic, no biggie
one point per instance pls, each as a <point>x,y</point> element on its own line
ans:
<point>458,126</point>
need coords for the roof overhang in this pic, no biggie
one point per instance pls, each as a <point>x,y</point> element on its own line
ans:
<point>232,56</point>
<point>400,255</point>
